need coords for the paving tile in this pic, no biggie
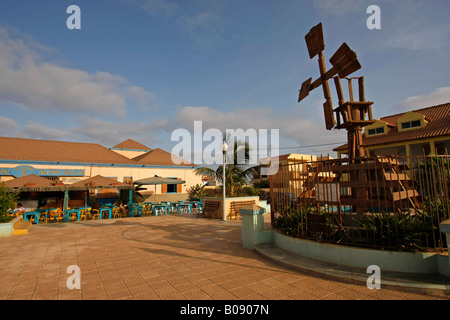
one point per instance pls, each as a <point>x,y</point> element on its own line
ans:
<point>166,257</point>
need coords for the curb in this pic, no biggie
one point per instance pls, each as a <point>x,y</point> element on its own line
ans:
<point>431,284</point>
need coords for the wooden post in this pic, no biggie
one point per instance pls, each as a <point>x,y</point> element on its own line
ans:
<point>65,202</point>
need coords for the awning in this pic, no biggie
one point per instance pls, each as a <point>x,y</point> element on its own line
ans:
<point>158,180</point>
<point>100,182</point>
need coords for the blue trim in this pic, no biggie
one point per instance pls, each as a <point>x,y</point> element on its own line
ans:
<point>24,170</point>
<point>88,164</point>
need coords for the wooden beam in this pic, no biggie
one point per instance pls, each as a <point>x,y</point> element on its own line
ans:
<point>337,83</point>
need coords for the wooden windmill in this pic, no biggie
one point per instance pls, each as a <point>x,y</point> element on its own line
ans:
<point>351,115</point>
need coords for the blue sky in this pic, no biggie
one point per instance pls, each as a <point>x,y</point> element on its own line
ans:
<point>140,69</point>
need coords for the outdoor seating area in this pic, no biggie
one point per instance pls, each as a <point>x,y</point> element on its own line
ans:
<point>112,211</point>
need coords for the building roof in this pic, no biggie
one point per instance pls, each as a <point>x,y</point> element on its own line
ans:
<point>34,182</point>
<point>131,145</point>
<point>58,151</point>
<point>289,156</point>
<point>29,180</point>
<point>438,118</point>
<point>160,157</point>
<point>99,181</point>
<point>19,149</point>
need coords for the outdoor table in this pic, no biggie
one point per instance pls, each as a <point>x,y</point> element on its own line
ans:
<point>108,210</point>
<point>198,205</point>
<point>161,206</point>
<point>185,206</point>
<point>36,215</point>
<point>69,211</point>
<point>173,206</point>
<point>42,211</point>
<point>136,210</point>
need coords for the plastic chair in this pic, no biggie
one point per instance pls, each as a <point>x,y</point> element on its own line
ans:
<point>95,214</point>
<point>85,213</point>
<point>59,215</point>
<point>146,210</point>
<point>73,216</point>
<point>43,217</point>
<point>116,212</point>
<point>52,214</point>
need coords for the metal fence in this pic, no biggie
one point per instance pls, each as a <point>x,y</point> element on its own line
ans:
<point>394,203</point>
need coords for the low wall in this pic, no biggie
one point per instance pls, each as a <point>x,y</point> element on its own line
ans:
<point>7,229</point>
<point>229,214</point>
<point>359,257</point>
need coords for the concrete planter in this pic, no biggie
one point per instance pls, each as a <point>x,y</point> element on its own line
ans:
<point>397,261</point>
<point>7,229</point>
<point>359,257</point>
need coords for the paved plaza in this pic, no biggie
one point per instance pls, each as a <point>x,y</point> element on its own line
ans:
<point>171,257</point>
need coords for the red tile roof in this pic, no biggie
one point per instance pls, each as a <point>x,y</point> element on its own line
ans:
<point>18,149</point>
<point>160,157</point>
<point>438,118</point>
<point>62,151</point>
<point>31,179</point>
<point>99,181</point>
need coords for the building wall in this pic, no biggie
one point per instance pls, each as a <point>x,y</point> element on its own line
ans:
<point>116,172</point>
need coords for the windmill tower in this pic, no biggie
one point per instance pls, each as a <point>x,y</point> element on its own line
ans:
<point>350,115</point>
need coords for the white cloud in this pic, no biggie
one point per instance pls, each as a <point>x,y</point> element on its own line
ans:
<point>111,133</point>
<point>438,96</point>
<point>35,84</point>
<point>35,130</point>
<point>298,128</point>
<point>86,129</point>
<point>7,126</point>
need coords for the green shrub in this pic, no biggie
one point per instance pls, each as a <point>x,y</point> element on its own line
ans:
<point>197,192</point>
<point>7,201</point>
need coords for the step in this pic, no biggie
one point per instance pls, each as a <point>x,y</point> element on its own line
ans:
<point>21,227</point>
<point>433,284</point>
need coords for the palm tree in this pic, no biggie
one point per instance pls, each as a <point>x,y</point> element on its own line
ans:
<point>236,174</point>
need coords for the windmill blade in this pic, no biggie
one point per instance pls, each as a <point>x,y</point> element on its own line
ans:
<point>330,121</point>
<point>304,90</point>
<point>345,61</point>
<point>350,68</point>
<point>314,40</point>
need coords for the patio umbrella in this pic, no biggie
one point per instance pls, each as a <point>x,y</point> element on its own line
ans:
<point>157,180</point>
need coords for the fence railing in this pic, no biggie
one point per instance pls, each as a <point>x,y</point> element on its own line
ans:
<point>394,203</point>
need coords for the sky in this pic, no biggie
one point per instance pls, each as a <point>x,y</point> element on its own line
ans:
<point>140,69</point>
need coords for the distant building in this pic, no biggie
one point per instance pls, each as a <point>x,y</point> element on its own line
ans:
<point>292,171</point>
<point>69,162</point>
<point>414,133</point>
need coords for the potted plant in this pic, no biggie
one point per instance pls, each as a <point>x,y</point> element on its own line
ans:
<point>8,201</point>
<point>196,192</point>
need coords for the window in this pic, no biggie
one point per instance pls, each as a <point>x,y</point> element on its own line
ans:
<point>411,124</point>
<point>171,188</point>
<point>373,131</point>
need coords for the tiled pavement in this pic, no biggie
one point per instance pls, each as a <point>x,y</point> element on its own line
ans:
<point>171,257</point>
